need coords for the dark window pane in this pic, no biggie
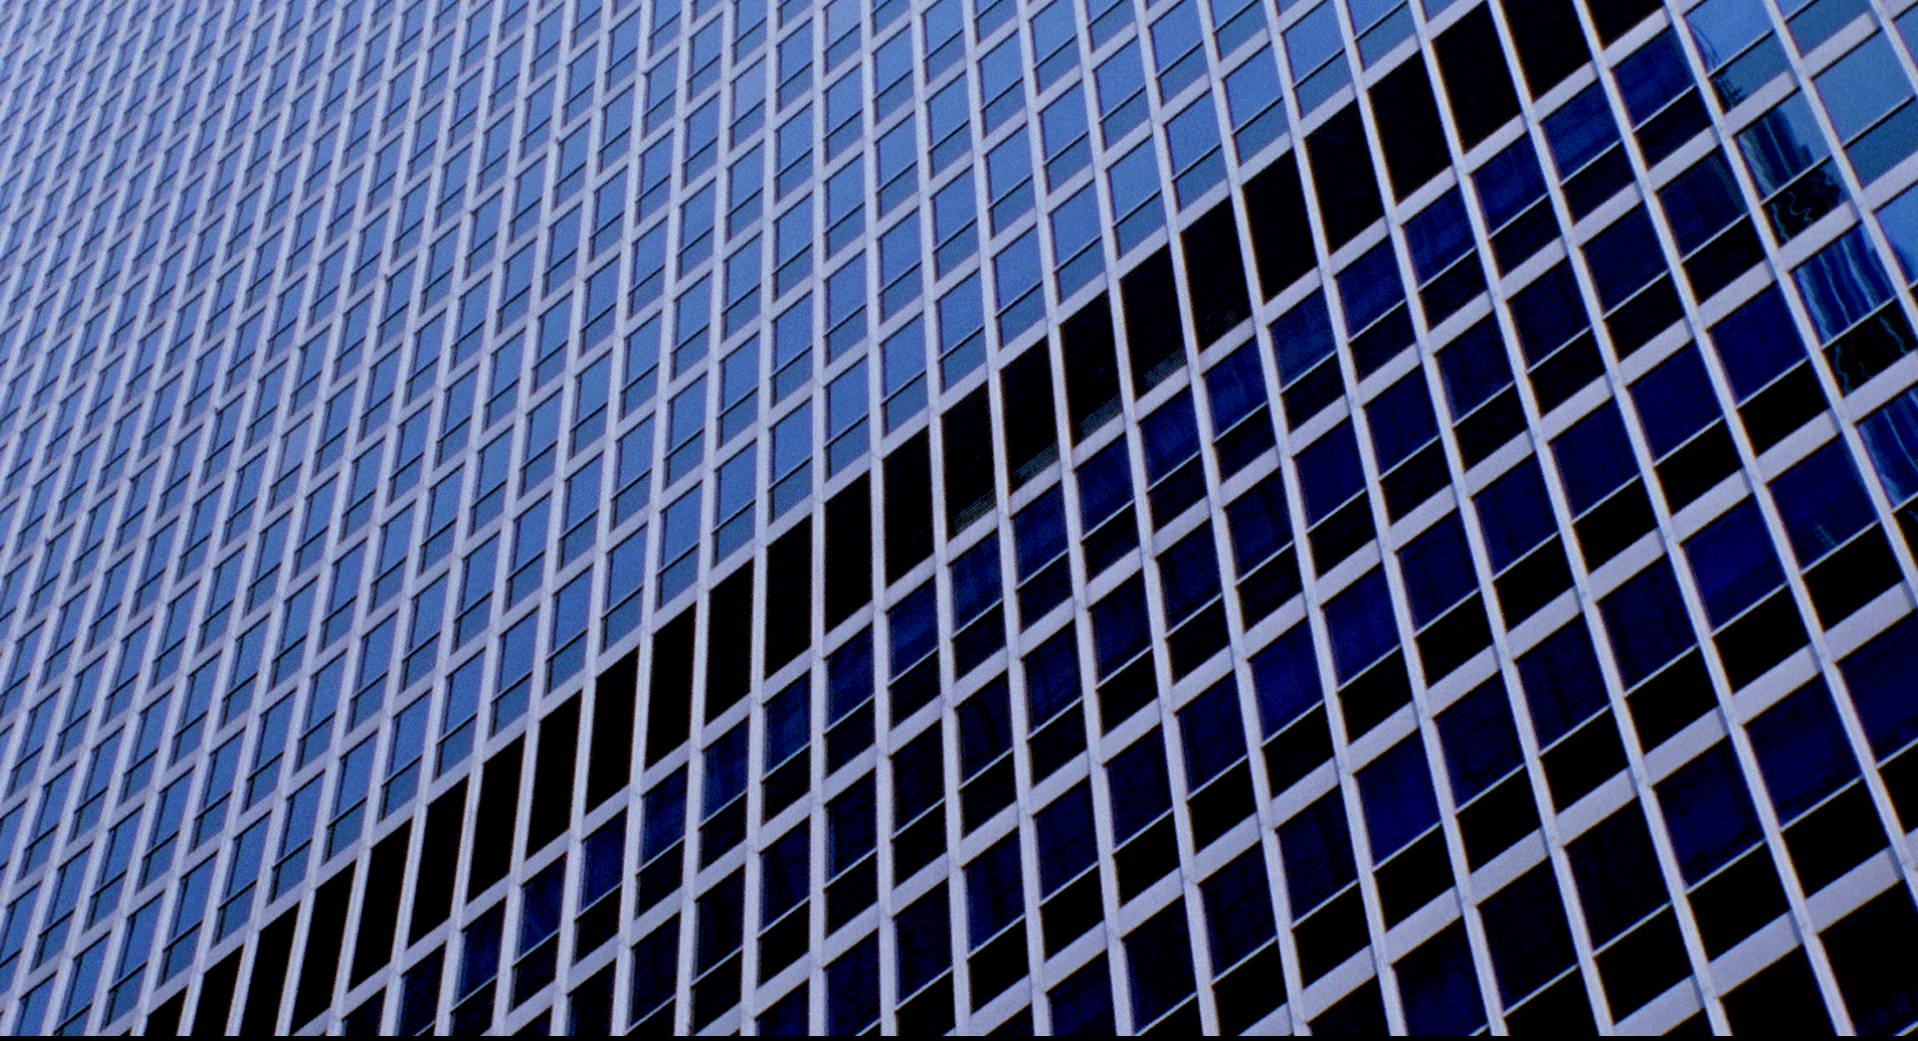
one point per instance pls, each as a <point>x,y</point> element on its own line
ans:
<point>1708,812</point>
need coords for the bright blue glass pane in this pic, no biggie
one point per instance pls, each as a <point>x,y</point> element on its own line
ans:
<point>1899,218</point>
<point>1861,86</point>
<point>1725,27</point>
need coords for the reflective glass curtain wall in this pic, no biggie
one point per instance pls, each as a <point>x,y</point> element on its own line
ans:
<point>921,515</point>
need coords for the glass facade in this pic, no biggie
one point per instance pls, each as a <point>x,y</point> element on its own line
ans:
<point>922,515</point>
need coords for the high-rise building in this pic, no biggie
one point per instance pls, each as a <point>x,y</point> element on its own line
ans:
<point>985,515</point>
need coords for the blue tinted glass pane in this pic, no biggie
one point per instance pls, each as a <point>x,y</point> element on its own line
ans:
<point>1474,367</point>
<point>1891,439</point>
<point>993,890</point>
<point>1802,750</point>
<point>1238,908</point>
<point>1211,734</point>
<point>1438,235</point>
<point>1733,560</point>
<point>1842,283</point>
<point>1360,619</point>
<point>1252,87</point>
<point>1039,531</point>
<point>1880,677</point>
<point>1365,12</point>
<point>1396,791</point>
<point>1189,573</point>
<point>1515,514</point>
<point>1757,342</point>
<point>1580,130</point>
<point>1235,386</point>
<point>1861,86</point>
<point>975,580</point>
<point>1302,337</point>
<point>1562,684</point>
<point>1120,628</point>
<point>1105,483</point>
<point>1140,788</point>
<point>1708,812</point>
<point>1370,287</point>
<point>1082,1003</point>
<point>1527,933</point>
<point>1067,841</point>
<point>1017,268</point>
<point>1437,981</point>
<point>1285,678</point>
<point>1619,878</point>
<point>1191,134</point>
<point>1782,143</point>
<point>1316,849</point>
<point>1623,258</point>
<point>1675,400</point>
<point>1646,622</point>
<point>1438,569</point>
<point>849,675</point>
<point>1899,218</point>
<point>1652,76</point>
<point>1312,40</point>
<point>1479,738</point>
<point>1171,435</point>
<point>1509,182</point>
<point>1259,523</point>
<point>1329,472</point>
<point>1821,502</point>
<point>1052,676</point>
<point>1701,201</point>
<point>1725,27</point>
<point>1401,419</point>
<point>1594,458</point>
<point>1548,312</point>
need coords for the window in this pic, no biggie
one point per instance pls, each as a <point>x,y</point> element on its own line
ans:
<point>1000,80</point>
<point>1020,298</point>
<point>1192,138</point>
<point>955,224</point>
<point>1120,83</point>
<point>846,407</point>
<point>1315,48</point>
<point>1075,242</point>
<point>1869,101</point>
<point>1739,49</point>
<point>1134,181</point>
<point>899,278</point>
<point>1175,49</point>
<point>1844,285</point>
<point>1252,95</point>
<point>949,120</point>
<point>1380,26</point>
<point>1063,130</point>
<point>1009,181</point>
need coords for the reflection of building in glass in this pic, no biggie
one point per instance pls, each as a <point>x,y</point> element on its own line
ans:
<point>957,515</point>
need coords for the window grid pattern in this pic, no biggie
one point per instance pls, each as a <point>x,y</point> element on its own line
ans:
<point>1057,516</point>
